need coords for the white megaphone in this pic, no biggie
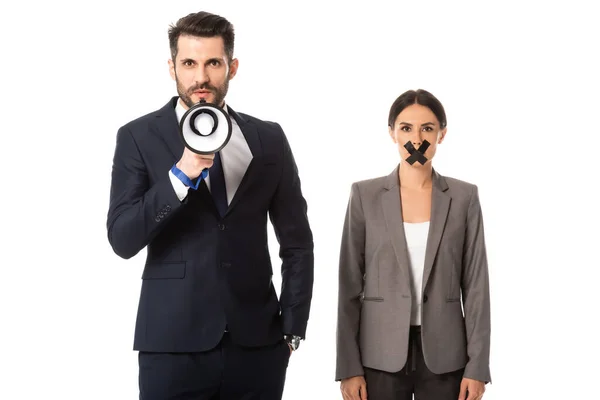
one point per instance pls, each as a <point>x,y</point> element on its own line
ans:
<point>205,128</point>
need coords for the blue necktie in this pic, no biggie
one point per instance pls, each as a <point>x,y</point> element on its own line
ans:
<point>217,184</point>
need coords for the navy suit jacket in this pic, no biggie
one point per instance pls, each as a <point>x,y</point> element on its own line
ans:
<point>204,272</point>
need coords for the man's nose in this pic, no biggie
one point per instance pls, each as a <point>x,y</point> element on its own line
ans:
<point>201,75</point>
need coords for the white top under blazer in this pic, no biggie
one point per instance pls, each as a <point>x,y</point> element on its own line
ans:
<point>416,241</point>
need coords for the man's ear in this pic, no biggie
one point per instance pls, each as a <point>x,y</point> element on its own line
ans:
<point>233,68</point>
<point>172,69</point>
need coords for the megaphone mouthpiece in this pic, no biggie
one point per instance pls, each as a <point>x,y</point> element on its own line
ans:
<point>205,128</point>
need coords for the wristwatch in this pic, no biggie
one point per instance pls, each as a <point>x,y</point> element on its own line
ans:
<point>293,341</point>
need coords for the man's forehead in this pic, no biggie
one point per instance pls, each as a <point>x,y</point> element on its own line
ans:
<point>200,47</point>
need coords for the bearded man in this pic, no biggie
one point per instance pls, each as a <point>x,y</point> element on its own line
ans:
<point>209,323</point>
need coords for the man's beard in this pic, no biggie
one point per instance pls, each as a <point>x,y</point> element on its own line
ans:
<point>219,93</point>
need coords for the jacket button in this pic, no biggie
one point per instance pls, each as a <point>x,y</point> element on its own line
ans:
<point>221,227</point>
<point>425,299</point>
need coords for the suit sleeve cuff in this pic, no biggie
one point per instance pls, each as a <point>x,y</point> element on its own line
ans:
<point>349,373</point>
<point>481,374</point>
<point>181,190</point>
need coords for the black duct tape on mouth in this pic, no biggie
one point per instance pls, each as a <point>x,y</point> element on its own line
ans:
<point>417,154</point>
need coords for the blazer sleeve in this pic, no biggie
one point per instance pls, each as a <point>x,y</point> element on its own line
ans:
<point>351,272</point>
<point>137,211</point>
<point>476,296</point>
<point>288,214</point>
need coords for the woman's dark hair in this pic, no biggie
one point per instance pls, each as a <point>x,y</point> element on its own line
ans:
<point>202,24</point>
<point>421,97</point>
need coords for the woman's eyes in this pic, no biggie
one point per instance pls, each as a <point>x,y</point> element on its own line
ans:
<point>425,129</point>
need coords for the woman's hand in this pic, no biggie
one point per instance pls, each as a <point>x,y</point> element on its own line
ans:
<point>354,388</point>
<point>475,389</point>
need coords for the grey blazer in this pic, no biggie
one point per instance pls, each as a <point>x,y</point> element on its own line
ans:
<point>374,294</point>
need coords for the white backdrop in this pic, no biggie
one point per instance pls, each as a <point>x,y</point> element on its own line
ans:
<point>519,81</point>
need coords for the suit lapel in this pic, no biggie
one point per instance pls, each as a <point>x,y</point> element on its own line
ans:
<point>392,211</point>
<point>252,137</point>
<point>440,206</point>
<point>167,129</point>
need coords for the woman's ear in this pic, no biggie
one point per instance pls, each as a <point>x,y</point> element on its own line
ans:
<point>391,133</point>
<point>442,135</point>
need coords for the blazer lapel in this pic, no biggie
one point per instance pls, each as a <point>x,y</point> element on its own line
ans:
<point>392,211</point>
<point>167,129</point>
<point>253,139</point>
<point>440,205</point>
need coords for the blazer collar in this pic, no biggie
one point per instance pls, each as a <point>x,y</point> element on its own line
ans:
<point>168,129</point>
<point>392,181</point>
<point>392,208</point>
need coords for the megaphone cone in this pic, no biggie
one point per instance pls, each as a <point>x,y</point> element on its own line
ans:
<point>205,128</point>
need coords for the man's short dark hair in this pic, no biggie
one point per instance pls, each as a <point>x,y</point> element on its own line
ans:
<point>202,24</point>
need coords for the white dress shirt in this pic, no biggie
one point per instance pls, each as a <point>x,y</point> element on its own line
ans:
<point>416,241</point>
<point>235,158</point>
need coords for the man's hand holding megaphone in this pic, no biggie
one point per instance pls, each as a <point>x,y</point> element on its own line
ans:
<point>192,164</point>
<point>205,129</point>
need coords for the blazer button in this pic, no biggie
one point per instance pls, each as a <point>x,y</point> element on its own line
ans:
<point>425,299</point>
<point>225,264</point>
<point>221,227</point>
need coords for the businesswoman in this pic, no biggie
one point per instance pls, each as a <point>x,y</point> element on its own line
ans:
<point>412,257</point>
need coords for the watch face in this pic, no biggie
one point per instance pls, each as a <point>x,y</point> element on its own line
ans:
<point>293,341</point>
